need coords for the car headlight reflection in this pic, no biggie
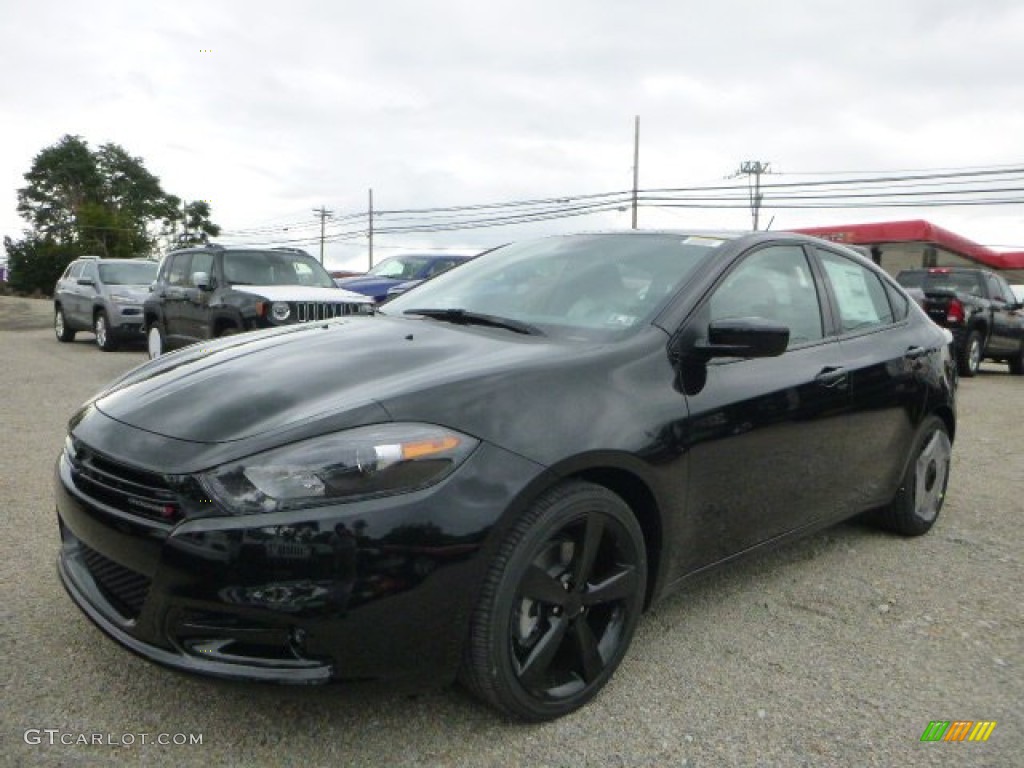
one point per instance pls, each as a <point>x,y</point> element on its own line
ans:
<point>366,461</point>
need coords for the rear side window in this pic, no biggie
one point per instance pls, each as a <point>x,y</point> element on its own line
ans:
<point>899,303</point>
<point>860,295</point>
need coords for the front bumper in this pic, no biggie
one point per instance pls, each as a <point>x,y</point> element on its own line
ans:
<point>374,589</point>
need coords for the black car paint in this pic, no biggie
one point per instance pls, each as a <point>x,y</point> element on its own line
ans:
<point>401,573</point>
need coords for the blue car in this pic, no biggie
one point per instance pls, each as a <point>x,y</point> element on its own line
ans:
<point>400,272</point>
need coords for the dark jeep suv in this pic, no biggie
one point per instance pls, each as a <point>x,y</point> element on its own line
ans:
<point>103,296</point>
<point>202,293</point>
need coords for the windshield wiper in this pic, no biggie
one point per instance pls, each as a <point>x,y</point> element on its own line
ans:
<point>465,317</point>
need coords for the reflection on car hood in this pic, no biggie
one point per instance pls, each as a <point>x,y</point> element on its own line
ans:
<point>255,383</point>
<point>302,293</point>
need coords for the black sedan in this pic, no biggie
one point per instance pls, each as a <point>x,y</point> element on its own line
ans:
<point>494,476</point>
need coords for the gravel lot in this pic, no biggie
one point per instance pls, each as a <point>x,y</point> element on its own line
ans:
<point>837,650</point>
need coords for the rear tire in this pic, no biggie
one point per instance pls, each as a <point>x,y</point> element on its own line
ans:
<point>156,340</point>
<point>104,338</point>
<point>916,506</point>
<point>970,355</point>
<point>60,326</point>
<point>559,604</point>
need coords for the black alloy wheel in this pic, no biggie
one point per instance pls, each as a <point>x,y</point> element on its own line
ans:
<point>922,491</point>
<point>559,605</point>
<point>970,355</point>
<point>104,339</point>
<point>60,326</point>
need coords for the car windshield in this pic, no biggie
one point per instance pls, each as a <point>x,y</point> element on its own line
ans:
<point>274,268</point>
<point>401,267</point>
<point>129,273</point>
<point>961,282</point>
<point>586,286</point>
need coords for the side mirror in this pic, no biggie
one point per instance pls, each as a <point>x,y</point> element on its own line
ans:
<point>744,337</point>
<point>86,281</point>
<point>201,280</point>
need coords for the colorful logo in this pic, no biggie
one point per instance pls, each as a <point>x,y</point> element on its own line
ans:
<point>958,730</point>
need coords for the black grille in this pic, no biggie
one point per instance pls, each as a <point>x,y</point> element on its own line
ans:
<point>311,311</point>
<point>125,488</point>
<point>124,588</point>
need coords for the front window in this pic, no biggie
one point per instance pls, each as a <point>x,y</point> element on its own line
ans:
<point>128,273</point>
<point>274,268</point>
<point>580,285</point>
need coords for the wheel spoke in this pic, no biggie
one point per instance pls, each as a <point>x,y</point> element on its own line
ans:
<point>593,530</point>
<point>618,586</point>
<point>535,668</point>
<point>538,585</point>
<point>586,644</point>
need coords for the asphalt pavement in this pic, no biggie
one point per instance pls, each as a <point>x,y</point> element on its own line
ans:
<point>838,650</point>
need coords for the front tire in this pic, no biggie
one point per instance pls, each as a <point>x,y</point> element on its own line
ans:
<point>156,340</point>
<point>60,326</point>
<point>104,338</point>
<point>919,499</point>
<point>970,355</point>
<point>559,604</point>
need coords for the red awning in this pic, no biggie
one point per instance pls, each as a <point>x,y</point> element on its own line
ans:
<point>917,232</point>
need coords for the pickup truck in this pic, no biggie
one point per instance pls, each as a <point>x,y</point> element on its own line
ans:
<point>978,307</point>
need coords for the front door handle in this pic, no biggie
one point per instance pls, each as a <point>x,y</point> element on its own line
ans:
<point>833,377</point>
<point>914,353</point>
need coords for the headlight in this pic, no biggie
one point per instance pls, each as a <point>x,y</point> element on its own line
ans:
<point>280,310</point>
<point>367,461</point>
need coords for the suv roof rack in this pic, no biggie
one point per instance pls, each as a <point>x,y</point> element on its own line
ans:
<point>289,249</point>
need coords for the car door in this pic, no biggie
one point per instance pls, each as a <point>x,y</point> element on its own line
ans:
<point>172,295</point>
<point>70,291</point>
<point>88,289</point>
<point>765,436</point>
<point>1006,322</point>
<point>194,309</point>
<point>882,352</point>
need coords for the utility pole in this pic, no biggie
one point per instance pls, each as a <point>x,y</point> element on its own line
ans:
<point>754,168</point>
<point>323,213</point>
<point>636,164</point>
<point>369,216</point>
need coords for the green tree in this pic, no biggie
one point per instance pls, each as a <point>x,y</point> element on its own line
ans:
<point>104,202</point>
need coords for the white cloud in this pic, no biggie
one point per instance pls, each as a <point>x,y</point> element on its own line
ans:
<point>457,102</point>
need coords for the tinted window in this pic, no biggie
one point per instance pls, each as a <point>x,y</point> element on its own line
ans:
<point>776,284</point>
<point>899,303</point>
<point>201,262</point>
<point>274,268</point>
<point>859,293</point>
<point>128,273</point>
<point>178,273</point>
<point>583,286</point>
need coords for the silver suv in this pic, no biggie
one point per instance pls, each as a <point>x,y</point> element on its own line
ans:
<point>104,297</point>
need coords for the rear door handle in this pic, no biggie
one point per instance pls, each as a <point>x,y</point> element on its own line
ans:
<point>914,353</point>
<point>833,378</point>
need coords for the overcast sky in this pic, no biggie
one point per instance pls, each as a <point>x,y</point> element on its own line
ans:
<point>270,109</point>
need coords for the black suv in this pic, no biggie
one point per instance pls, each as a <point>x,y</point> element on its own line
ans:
<point>103,296</point>
<point>202,293</point>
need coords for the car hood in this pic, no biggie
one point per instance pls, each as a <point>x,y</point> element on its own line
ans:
<point>301,293</point>
<point>254,384</point>
<point>137,293</point>
<point>369,285</point>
